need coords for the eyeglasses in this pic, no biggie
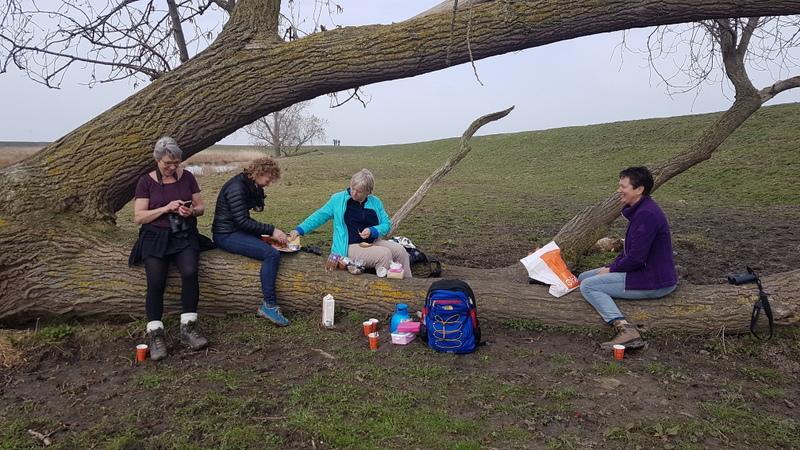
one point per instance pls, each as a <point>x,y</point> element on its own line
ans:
<point>170,163</point>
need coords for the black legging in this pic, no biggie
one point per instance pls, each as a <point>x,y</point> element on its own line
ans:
<point>156,270</point>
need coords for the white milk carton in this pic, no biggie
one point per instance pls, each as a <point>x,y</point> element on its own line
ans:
<point>328,308</point>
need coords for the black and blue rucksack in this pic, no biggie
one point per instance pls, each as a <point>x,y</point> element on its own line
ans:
<point>415,257</point>
<point>450,318</point>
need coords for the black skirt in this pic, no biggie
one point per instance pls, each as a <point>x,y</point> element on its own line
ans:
<point>160,243</point>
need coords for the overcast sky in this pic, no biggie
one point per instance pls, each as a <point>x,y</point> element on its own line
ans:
<point>578,82</point>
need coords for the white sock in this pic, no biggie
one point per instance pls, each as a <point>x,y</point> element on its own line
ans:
<point>154,325</point>
<point>188,317</point>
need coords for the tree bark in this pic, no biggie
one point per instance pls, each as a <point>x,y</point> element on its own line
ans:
<point>64,259</point>
<point>54,273</point>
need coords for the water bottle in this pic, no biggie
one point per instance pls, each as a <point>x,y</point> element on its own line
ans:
<point>400,315</point>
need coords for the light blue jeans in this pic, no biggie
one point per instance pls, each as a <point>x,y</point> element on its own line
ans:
<point>598,290</point>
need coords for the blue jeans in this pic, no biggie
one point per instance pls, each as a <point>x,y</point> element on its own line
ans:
<point>253,247</point>
<point>598,290</point>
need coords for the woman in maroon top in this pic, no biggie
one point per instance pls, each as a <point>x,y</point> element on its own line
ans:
<point>167,202</point>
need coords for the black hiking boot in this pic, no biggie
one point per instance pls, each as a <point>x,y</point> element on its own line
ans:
<point>191,336</point>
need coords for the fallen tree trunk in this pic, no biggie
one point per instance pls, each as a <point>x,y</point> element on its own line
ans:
<point>66,275</point>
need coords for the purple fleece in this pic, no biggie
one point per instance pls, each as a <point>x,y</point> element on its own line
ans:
<point>647,254</point>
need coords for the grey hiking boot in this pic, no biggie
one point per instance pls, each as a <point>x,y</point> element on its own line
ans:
<point>191,336</point>
<point>158,344</point>
<point>627,335</point>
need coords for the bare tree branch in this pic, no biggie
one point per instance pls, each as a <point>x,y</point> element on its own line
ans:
<point>177,31</point>
<point>117,39</point>
<point>335,103</point>
<point>771,91</point>
<point>463,149</point>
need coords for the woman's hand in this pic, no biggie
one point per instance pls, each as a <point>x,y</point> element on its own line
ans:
<point>365,233</point>
<point>183,211</point>
<point>603,270</point>
<point>293,235</point>
<point>173,206</point>
<point>279,236</point>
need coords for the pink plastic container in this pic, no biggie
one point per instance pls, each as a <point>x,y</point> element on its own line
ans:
<point>395,274</point>
<point>402,338</point>
<point>408,327</point>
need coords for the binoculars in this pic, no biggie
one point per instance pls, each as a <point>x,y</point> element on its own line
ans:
<point>743,278</point>
<point>177,224</point>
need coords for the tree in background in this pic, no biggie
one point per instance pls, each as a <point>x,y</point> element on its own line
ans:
<point>286,131</point>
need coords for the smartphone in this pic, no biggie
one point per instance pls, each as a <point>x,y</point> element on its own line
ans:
<point>187,204</point>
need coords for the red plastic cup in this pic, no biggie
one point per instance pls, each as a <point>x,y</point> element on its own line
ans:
<point>368,328</point>
<point>373,341</point>
<point>619,352</point>
<point>141,352</point>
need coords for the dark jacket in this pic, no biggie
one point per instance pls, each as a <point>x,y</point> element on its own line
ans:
<point>236,198</point>
<point>647,256</point>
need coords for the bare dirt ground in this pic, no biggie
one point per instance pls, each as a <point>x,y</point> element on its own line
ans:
<point>528,387</point>
<point>307,387</point>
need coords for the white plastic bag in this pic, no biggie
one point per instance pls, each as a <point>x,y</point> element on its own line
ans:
<point>547,265</point>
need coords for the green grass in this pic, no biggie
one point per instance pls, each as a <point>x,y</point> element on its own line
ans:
<point>765,374</point>
<point>663,371</point>
<point>53,334</point>
<point>528,184</point>
<point>609,369</point>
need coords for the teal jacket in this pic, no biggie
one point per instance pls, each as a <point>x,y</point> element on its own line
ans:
<point>334,209</point>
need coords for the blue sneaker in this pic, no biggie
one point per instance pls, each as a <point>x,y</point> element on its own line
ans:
<point>273,313</point>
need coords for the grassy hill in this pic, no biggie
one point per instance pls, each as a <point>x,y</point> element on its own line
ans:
<point>515,190</point>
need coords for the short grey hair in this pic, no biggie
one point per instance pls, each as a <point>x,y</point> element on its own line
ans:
<point>363,179</point>
<point>167,146</point>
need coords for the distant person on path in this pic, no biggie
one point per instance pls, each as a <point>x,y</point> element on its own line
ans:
<point>236,232</point>
<point>167,202</point>
<point>359,221</point>
<point>644,269</point>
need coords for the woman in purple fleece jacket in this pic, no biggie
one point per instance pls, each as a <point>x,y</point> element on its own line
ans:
<point>644,269</point>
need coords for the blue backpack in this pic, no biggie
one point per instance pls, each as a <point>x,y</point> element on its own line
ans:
<point>450,317</point>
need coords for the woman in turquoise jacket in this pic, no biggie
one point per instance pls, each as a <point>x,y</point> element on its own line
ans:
<point>359,221</point>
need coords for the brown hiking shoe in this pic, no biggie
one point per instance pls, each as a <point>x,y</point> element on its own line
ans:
<point>627,335</point>
<point>191,336</point>
<point>158,345</point>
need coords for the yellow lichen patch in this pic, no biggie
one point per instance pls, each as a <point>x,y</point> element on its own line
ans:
<point>746,299</point>
<point>693,310</point>
<point>2,222</point>
<point>10,356</point>
<point>388,292</point>
<point>252,265</point>
<point>640,316</point>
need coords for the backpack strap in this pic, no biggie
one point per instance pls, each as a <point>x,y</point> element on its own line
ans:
<point>761,303</point>
<point>435,267</point>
